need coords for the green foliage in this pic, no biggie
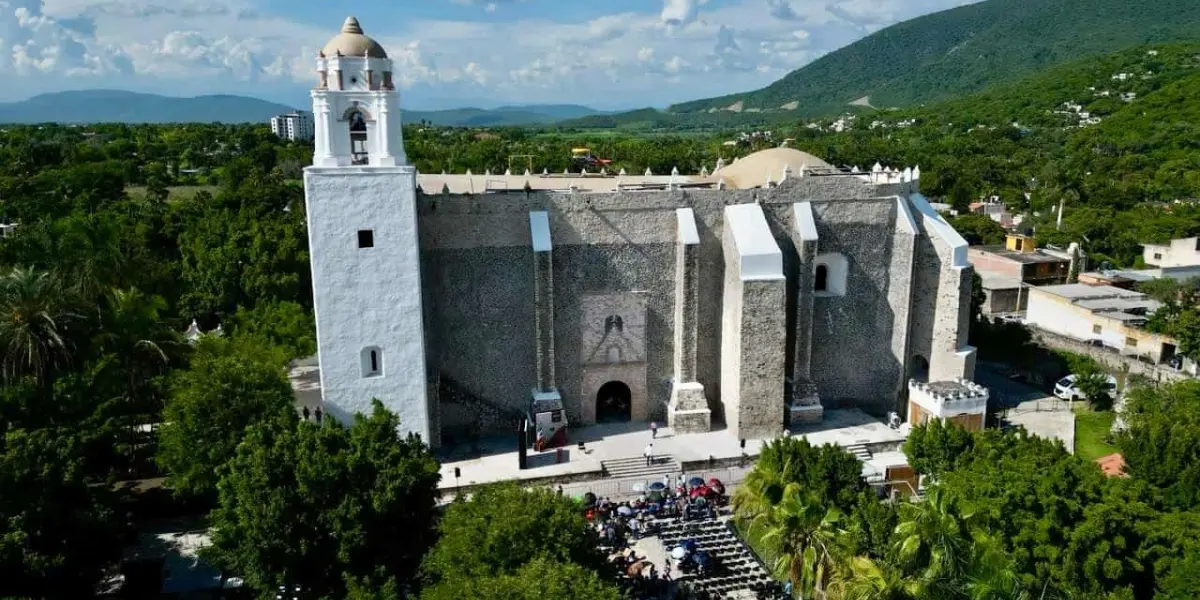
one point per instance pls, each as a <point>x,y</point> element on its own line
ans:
<point>1182,579</point>
<point>326,507</point>
<point>829,473</point>
<point>978,229</point>
<point>1179,315</point>
<point>539,579</point>
<point>33,332</point>
<point>503,527</point>
<point>1161,443</point>
<point>1027,492</point>
<point>285,325</point>
<point>951,53</point>
<point>805,537</point>
<point>242,247</point>
<point>229,387</point>
<point>936,447</point>
<point>59,531</point>
<point>91,282</point>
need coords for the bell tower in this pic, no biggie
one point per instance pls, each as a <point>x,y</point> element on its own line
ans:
<point>363,242</point>
<point>356,108</point>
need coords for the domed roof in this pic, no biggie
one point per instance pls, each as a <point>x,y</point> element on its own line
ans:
<point>352,42</point>
<point>753,170</point>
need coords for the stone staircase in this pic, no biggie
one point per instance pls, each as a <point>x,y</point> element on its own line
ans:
<point>859,451</point>
<point>637,467</point>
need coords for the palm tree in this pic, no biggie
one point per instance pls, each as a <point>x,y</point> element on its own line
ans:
<point>33,332</point>
<point>949,557</point>
<point>762,489</point>
<point>805,538</point>
<point>865,579</point>
<point>933,539</point>
<point>990,575</point>
<point>132,330</point>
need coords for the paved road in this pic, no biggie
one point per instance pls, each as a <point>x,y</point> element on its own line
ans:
<point>1039,413</point>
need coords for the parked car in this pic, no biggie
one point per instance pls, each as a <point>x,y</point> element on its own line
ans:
<point>1067,389</point>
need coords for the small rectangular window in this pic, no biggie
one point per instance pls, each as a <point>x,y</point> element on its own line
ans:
<point>366,238</point>
<point>1096,329</point>
<point>1131,342</point>
<point>1158,256</point>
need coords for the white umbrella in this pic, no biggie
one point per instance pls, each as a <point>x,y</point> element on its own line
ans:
<point>678,553</point>
<point>624,511</point>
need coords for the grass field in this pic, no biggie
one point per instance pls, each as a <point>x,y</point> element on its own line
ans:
<point>1091,431</point>
<point>174,193</point>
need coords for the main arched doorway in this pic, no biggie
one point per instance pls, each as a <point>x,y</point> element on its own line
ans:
<point>614,403</point>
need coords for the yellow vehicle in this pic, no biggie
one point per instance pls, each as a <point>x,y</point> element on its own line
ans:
<point>584,159</point>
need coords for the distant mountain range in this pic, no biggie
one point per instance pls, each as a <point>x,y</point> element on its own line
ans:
<point>956,52</point>
<point>112,106</point>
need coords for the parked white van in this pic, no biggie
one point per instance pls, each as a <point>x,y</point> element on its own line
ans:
<point>1067,390</point>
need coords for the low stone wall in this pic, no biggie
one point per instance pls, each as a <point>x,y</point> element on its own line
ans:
<point>1108,358</point>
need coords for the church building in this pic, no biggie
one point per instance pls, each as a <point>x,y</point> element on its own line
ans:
<point>751,297</point>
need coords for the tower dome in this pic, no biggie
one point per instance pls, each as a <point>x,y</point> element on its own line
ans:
<point>353,42</point>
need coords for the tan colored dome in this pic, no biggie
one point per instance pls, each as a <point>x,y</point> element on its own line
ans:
<point>753,170</point>
<point>352,42</point>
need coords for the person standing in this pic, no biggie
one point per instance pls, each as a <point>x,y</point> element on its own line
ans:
<point>649,453</point>
<point>653,430</point>
<point>667,482</point>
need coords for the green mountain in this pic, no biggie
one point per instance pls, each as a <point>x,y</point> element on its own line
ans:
<point>502,116</point>
<point>113,106</point>
<point>955,52</point>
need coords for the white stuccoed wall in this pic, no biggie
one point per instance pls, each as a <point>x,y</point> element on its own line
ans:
<point>369,296</point>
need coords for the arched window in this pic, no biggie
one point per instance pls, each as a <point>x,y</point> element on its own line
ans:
<point>372,362</point>
<point>613,322</point>
<point>359,154</point>
<point>821,281</point>
<point>614,354</point>
<point>829,275</point>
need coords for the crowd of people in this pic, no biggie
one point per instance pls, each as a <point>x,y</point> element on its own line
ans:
<point>621,524</point>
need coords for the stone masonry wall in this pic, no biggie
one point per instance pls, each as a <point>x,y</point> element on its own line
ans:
<point>478,280</point>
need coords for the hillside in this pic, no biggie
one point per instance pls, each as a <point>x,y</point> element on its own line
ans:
<point>501,116</point>
<point>112,106</point>
<point>963,50</point>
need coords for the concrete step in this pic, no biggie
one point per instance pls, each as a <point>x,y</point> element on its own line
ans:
<point>859,451</point>
<point>637,467</point>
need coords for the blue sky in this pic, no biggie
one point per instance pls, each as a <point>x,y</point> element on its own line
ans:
<point>447,53</point>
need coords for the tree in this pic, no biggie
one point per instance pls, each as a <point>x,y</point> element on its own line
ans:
<point>828,472</point>
<point>1029,493</point>
<point>935,447</point>
<point>33,332</point>
<point>229,387</point>
<point>539,579</point>
<point>503,527</point>
<point>286,325</point>
<point>132,331</point>
<point>325,507</point>
<point>58,531</point>
<point>867,579</point>
<point>1106,546</point>
<point>978,229</point>
<point>1161,443</point>
<point>806,538</point>
<point>1181,580</point>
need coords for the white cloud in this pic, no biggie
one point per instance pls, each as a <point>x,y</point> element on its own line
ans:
<point>632,58</point>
